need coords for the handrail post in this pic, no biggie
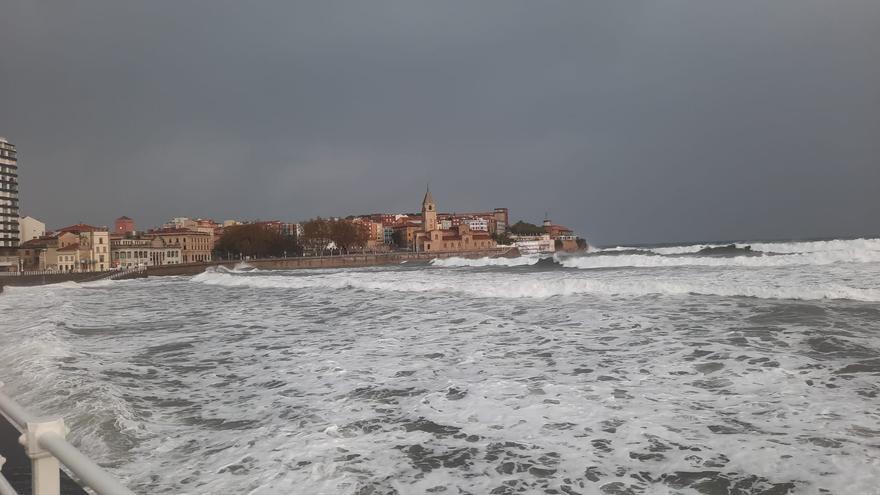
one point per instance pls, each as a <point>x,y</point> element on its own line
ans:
<point>45,468</point>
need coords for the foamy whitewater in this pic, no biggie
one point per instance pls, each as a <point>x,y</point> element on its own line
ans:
<point>629,370</point>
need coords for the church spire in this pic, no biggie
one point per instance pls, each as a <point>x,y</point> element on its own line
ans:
<point>428,198</point>
<point>429,212</point>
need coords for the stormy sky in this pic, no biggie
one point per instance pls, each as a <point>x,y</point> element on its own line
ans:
<point>630,121</point>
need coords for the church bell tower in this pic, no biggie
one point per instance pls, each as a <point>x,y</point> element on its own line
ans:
<point>429,212</point>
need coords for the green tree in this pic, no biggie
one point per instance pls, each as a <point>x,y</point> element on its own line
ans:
<point>502,239</point>
<point>525,228</point>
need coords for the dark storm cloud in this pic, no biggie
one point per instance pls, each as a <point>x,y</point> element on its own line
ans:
<point>630,121</point>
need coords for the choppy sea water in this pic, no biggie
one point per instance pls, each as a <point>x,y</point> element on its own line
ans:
<point>626,371</point>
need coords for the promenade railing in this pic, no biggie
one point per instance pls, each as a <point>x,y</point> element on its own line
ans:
<point>44,442</point>
<point>112,274</point>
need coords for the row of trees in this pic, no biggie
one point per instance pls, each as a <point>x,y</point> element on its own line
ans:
<point>255,240</point>
<point>346,235</point>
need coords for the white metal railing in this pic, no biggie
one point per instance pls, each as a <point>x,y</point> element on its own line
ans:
<point>45,444</point>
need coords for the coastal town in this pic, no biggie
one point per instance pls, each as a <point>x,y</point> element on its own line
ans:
<point>27,246</point>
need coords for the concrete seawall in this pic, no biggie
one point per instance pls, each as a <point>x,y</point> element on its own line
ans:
<point>341,261</point>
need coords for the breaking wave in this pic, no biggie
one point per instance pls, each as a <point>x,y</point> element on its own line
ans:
<point>538,287</point>
<point>653,260</point>
<point>844,245</point>
<point>517,261</point>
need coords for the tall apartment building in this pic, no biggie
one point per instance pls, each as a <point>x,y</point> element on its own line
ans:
<point>8,206</point>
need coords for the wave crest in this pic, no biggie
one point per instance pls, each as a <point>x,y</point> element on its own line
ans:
<point>534,287</point>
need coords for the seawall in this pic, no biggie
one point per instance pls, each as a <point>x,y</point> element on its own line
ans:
<point>341,261</point>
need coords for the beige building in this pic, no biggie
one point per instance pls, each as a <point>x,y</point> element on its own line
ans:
<point>44,253</point>
<point>68,259</point>
<point>434,239</point>
<point>189,246</point>
<point>93,246</point>
<point>127,252</point>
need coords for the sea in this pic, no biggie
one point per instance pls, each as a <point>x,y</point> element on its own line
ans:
<point>686,369</point>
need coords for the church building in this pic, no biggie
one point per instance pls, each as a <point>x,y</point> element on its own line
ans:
<point>433,239</point>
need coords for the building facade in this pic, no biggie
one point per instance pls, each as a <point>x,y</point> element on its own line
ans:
<point>123,226</point>
<point>433,239</point>
<point>93,246</point>
<point>134,252</point>
<point>187,246</point>
<point>30,228</point>
<point>534,244</point>
<point>9,236</point>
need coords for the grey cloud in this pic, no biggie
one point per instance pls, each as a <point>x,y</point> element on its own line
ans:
<point>629,121</point>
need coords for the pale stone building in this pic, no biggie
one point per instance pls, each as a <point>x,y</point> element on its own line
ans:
<point>155,250</point>
<point>187,246</point>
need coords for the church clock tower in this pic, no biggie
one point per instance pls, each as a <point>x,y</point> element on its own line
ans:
<point>429,212</point>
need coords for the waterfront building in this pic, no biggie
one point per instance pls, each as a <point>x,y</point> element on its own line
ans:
<point>183,245</point>
<point>9,235</point>
<point>93,247</point>
<point>534,244</point>
<point>69,260</point>
<point>565,238</point>
<point>432,238</point>
<point>32,253</point>
<point>43,253</point>
<point>123,226</point>
<point>134,252</point>
<point>501,220</point>
<point>30,228</point>
<point>405,234</point>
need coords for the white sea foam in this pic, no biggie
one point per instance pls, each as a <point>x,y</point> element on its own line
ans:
<point>456,261</point>
<point>541,286</point>
<point>646,260</point>
<point>853,246</point>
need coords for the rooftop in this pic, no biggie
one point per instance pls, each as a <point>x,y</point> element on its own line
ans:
<point>80,227</point>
